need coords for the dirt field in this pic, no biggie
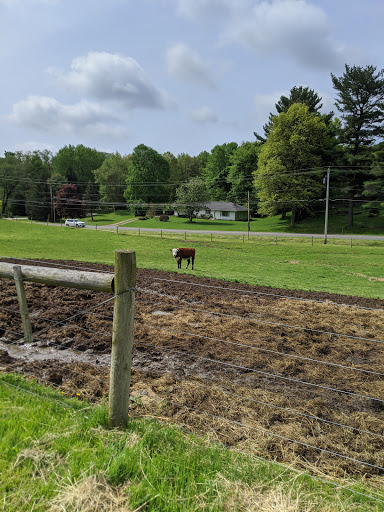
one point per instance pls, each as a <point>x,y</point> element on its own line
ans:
<point>243,364</point>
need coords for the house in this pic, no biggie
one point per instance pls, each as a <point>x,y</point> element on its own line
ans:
<point>224,211</point>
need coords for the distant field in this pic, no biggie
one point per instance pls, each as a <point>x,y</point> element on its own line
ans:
<point>291,263</point>
<point>363,224</point>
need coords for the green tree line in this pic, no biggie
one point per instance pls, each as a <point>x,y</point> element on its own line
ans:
<point>282,170</point>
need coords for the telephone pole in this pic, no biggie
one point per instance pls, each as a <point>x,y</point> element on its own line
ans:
<point>326,206</point>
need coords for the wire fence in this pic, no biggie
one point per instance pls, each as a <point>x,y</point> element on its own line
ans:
<point>291,379</point>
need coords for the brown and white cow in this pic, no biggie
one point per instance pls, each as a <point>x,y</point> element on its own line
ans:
<point>184,253</point>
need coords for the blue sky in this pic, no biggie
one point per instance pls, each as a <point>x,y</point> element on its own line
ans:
<point>176,75</point>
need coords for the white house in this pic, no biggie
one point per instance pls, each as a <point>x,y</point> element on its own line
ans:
<point>223,211</point>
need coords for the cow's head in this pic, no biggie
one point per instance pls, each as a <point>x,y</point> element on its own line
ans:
<point>175,252</point>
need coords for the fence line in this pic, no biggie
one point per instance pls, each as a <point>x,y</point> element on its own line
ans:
<point>184,354</point>
<point>263,431</point>
<point>222,288</point>
<point>220,389</point>
<point>239,367</point>
<point>275,352</point>
<point>276,324</point>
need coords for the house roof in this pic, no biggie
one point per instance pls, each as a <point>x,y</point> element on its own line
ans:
<point>225,206</point>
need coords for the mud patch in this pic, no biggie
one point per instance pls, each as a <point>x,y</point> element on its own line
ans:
<point>256,368</point>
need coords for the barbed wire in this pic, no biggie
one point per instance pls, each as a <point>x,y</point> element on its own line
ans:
<point>253,370</point>
<point>269,432</point>
<point>251,292</point>
<point>260,349</point>
<point>290,411</point>
<point>275,324</point>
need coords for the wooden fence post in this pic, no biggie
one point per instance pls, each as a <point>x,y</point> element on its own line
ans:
<point>122,337</point>
<point>27,329</point>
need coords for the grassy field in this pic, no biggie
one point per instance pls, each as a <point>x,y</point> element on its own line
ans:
<point>58,454</point>
<point>364,225</point>
<point>291,263</point>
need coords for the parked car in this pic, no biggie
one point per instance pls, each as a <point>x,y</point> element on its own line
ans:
<point>75,223</point>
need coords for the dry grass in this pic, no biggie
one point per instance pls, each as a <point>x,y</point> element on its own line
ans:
<point>91,494</point>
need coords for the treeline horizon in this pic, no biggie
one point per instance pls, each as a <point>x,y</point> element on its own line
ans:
<point>282,170</point>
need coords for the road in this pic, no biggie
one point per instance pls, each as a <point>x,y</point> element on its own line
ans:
<point>241,233</point>
<point>117,227</point>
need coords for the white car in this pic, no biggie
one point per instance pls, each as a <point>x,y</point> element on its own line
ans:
<point>75,223</point>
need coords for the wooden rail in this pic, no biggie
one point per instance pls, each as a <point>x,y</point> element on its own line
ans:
<point>123,313</point>
<point>98,281</point>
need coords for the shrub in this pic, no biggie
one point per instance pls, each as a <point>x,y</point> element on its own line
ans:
<point>163,218</point>
<point>142,218</point>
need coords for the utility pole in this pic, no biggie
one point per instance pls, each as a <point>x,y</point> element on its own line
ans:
<point>326,206</point>
<point>52,207</point>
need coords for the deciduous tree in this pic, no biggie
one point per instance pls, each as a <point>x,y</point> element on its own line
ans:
<point>191,197</point>
<point>148,176</point>
<point>68,202</point>
<point>287,177</point>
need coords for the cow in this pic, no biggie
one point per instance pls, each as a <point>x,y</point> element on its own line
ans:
<point>183,253</point>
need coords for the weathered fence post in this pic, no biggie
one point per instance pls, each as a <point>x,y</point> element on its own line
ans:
<point>122,337</point>
<point>27,329</point>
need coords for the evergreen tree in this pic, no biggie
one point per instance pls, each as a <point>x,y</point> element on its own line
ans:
<point>298,94</point>
<point>374,188</point>
<point>360,99</point>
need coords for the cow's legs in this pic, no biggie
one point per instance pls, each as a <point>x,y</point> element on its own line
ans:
<point>188,262</point>
<point>179,262</point>
<point>193,261</point>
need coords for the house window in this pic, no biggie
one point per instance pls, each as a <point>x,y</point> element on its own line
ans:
<point>225,214</point>
<point>207,212</point>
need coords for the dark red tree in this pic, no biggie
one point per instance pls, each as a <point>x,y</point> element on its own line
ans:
<point>68,202</point>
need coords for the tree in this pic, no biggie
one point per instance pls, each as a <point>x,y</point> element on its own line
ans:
<point>374,188</point>
<point>77,163</point>
<point>285,179</point>
<point>243,163</point>
<point>216,171</point>
<point>13,171</point>
<point>299,94</point>
<point>111,177</point>
<point>191,197</point>
<point>38,204</point>
<point>360,99</point>
<point>148,176</point>
<point>68,202</point>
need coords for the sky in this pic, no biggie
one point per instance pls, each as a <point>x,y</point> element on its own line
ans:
<point>176,75</point>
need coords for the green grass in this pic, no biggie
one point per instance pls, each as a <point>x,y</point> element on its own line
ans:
<point>291,263</point>
<point>363,224</point>
<point>49,444</point>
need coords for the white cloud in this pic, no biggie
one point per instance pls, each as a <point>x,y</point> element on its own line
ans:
<point>110,77</point>
<point>291,27</point>
<point>203,115</point>
<point>188,65</point>
<point>47,115</point>
<point>202,9</point>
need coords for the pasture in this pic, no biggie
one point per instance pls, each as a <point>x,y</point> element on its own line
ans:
<point>289,372</point>
<point>293,264</point>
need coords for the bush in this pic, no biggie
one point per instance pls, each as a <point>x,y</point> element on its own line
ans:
<point>163,218</point>
<point>142,218</point>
